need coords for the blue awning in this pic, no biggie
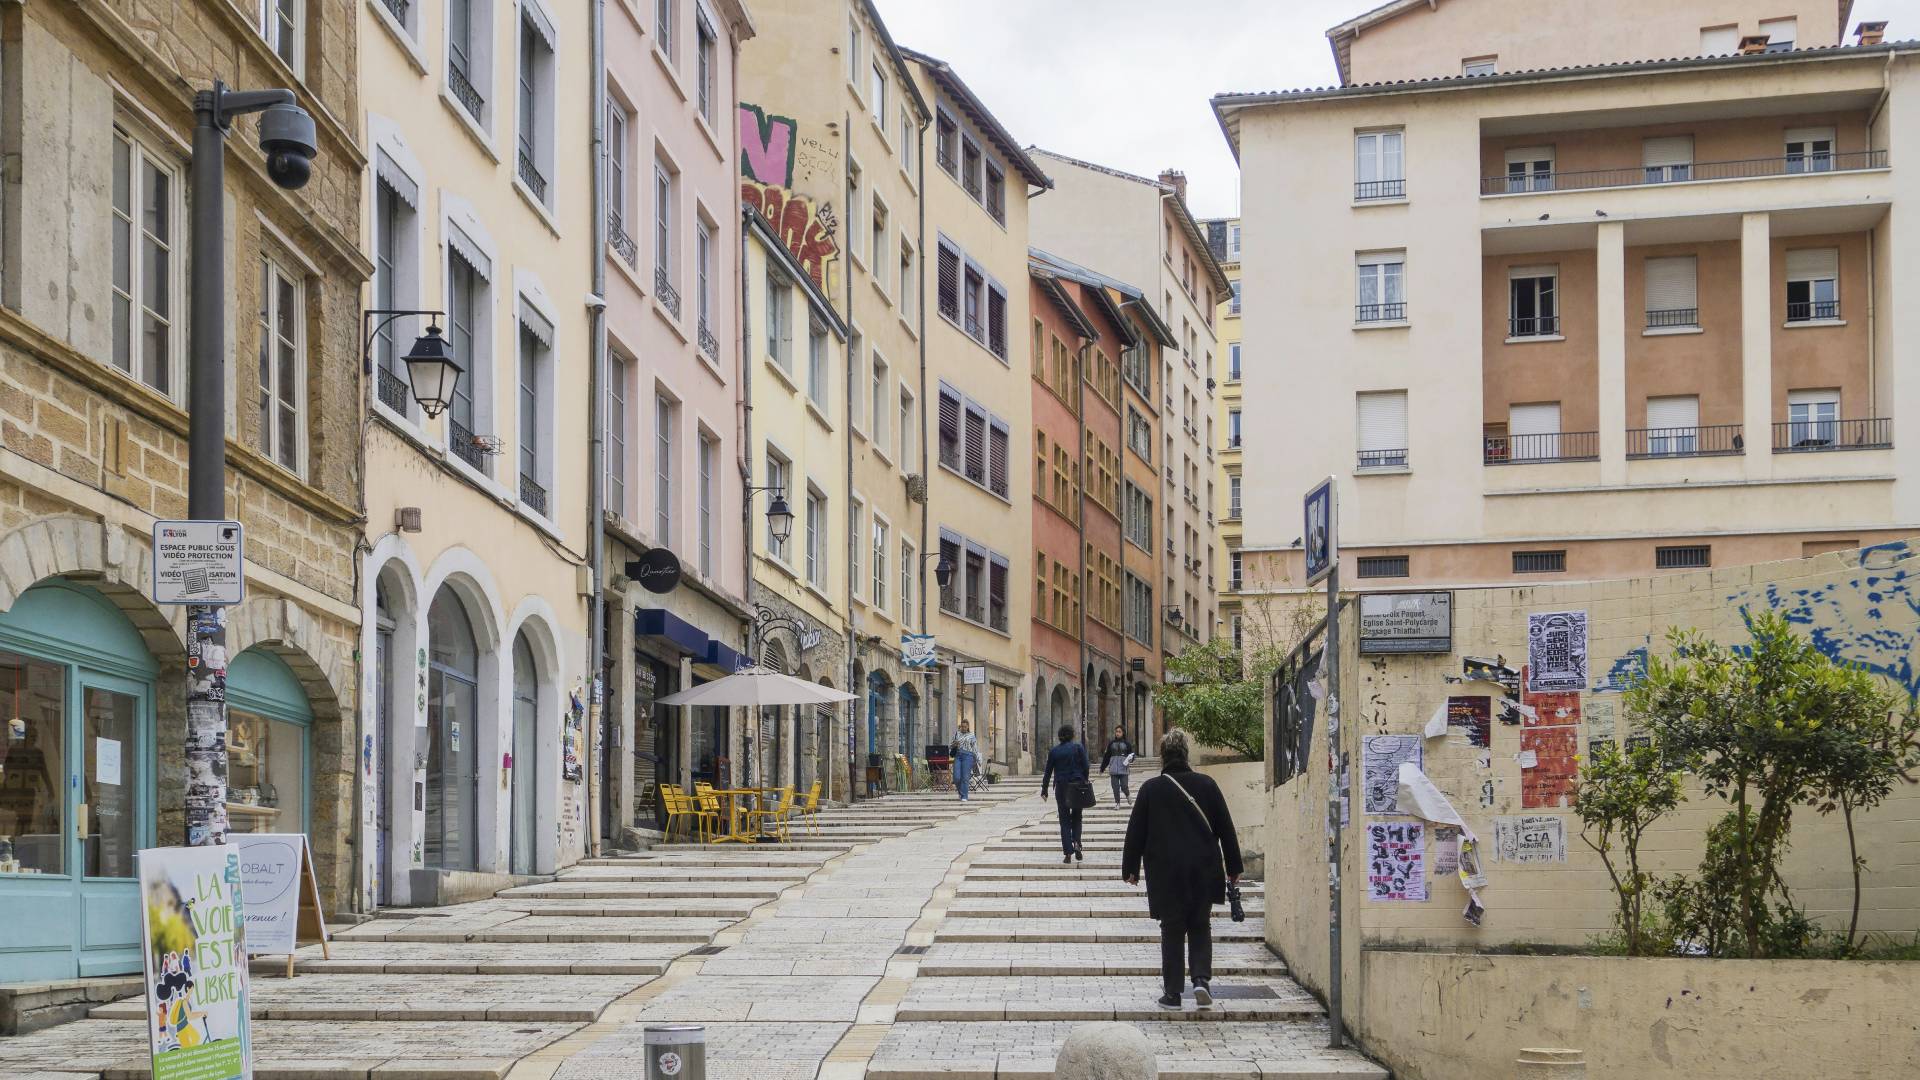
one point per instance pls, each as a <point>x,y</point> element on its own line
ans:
<point>724,657</point>
<point>665,626</point>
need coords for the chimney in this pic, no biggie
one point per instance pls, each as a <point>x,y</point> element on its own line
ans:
<point>1177,180</point>
<point>1753,43</point>
<point>1871,33</point>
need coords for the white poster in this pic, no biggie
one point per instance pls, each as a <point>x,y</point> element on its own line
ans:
<point>106,761</point>
<point>1532,838</point>
<point>270,866</point>
<point>1396,856</point>
<point>1380,760</point>
<point>193,938</point>
<point>1556,652</point>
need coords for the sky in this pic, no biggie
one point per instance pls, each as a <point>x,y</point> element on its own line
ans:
<point>1118,83</point>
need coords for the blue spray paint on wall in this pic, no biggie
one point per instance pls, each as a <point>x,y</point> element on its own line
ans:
<point>1624,672</point>
<point>1868,615</point>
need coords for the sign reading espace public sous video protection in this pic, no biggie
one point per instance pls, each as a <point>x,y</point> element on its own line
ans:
<point>198,562</point>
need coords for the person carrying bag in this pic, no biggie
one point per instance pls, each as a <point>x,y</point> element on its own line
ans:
<point>1181,832</point>
<point>1069,772</point>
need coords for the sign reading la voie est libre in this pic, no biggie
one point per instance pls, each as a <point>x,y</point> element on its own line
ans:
<point>1404,623</point>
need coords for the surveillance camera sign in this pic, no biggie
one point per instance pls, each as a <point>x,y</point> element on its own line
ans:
<point>198,562</point>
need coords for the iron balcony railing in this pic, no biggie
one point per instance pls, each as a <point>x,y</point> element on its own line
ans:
<point>393,391</point>
<point>1380,312</point>
<point>663,289</point>
<point>1379,189</point>
<point>1640,175</point>
<point>945,158</point>
<point>708,343</point>
<point>399,9</point>
<point>533,495</point>
<point>617,238</point>
<point>1528,449</point>
<point>466,446</point>
<point>464,92</point>
<point>1813,436</point>
<point>1670,317</point>
<point>1714,440</point>
<point>1383,459</point>
<point>1533,325</point>
<point>1813,311</point>
<point>530,176</point>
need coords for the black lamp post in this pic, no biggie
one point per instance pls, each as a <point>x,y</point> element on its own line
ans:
<point>432,372</point>
<point>942,569</point>
<point>779,514</point>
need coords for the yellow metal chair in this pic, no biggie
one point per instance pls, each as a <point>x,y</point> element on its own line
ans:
<point>682,811</point>
<point>779,814</point>
<point>808,808</point>
<point>715,809</point>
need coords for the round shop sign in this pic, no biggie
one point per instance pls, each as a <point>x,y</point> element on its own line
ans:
<point>659,571</point>
<point>670,1064</point>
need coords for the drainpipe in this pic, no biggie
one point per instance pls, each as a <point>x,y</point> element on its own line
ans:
<point>853,538</point>
<point>597,428</point>
<point>1873,359</point>
<point>926,476</point>
<point>746,497</point>
<point>1080,407</point>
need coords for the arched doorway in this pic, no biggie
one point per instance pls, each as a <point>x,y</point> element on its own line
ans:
<point>825,746</point>
<point>453,735</point>
<point>1062,705</point>
<point>910,746</point>
<point>522,777</point>
<point>269,746</point>
<point>879,690</point>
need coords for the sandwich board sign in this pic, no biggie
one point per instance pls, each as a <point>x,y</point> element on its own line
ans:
<point>198,562</point>
<point>194,955</point>
<point>283,895</point>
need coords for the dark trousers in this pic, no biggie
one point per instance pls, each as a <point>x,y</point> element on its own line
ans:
<point>1120,790</point>
<point>1194,930</point>
<point>1069,822</point>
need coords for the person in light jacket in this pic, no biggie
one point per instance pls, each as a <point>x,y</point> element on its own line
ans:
<point>1066,767</point>
<point>1116,762</point>
<point>966,757</point>
<point>1181,830</point>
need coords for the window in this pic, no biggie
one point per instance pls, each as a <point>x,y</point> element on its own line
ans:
<point>1809,150</point>
<point>1233,496</point>
<point>1530,168</point>
<point>1383,429</point>
<point>819,365</point>
<point>779,477</point>
<point>856,413</point>
<point>396,275</point>
<point>467,318</point>
<point>703,288</point>
<point>1233,361</point>
<point>1139,435</point>
<point>779,320</point>
<point>1233,243</point>
<point>1381,294</point>
<point>878,399</point>
<point>1139,610</point>
<point>1379,170</point>
<point>1382,566</point>
<point>999,445</point>
<point>1233,304</point>
<point>997,320</point>
<point>709,462</point>
<point>907,429</point>
<point>1683,557</point>
<point>1480,65</point>
<point>281,22</point>
<point>1137,516</point>
<point>949,429</point>
<point>970,167</point>
<point>1719,40</point>
<point>534,163</point>
<point>948,285</point>
<point>1673,292</point>
<point>664,190</point>
<point>877,225</point>
<point>1236,566</point>
<point>147,264</point>
<point>816,539</point>
<point>974,562</point>
<point>877,95</point>
<point>974,430</point>
<point>617,218</point>
<point>664,26</point>
<point>1533,431</point>
<point>1813,285</point>
<point>996,192</point>
<point>1233,429</point>
<point>1779,33</point>
<point>1812,417</point>
<point>907,141</point>
<point>855,236</point>
<point>704,53</point>
<point>853,51</point>
<point>882,541</point>
<point>1533,303</point>
<point>665,415</point>
<point>1238,641</point>
<point>908,566</point>
<point>618,368</point>
<point>950,593</point>
<point>972,284</point>
<point>534,398</point>
<point>856,516</point>
<point>470,55</point>
<point>1673,426</point>
<point>946,145</point>
<point>909,276</point>
<point>1667,159</point>
<point>283,364</point>
<point>1540,562</point>
<point>998,572</point>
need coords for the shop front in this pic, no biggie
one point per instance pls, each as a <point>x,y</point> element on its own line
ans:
<point>269,746</point>
<point>668,744</point>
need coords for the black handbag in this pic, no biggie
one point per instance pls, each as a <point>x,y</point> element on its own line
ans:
<point>1234,908</point>
<point>1083,794</point>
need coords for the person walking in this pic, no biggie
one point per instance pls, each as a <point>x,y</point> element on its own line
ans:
<point>1117,762</point>
<point>966,758</point>
<point>1067,769</point>
<point>1181,831</point>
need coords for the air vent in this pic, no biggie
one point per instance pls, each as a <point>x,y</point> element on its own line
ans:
<point>1540,562</point>
<point>1684,557</point>
<point>1383,566</point>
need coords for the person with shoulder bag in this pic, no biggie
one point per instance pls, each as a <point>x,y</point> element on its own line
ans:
<point>1068,772</point>
<point>1117,762</point>
<point>1181,832</point>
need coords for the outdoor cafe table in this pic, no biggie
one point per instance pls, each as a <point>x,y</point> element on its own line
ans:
<point>735,834</point>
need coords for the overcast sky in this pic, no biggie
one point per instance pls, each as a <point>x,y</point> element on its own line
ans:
<point>1117,82</point>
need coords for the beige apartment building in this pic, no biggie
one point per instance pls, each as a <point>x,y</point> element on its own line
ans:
<point>978,384</point>
<point>474,585</point>
<point>1226,495</point>
<point>1575,312</point>
<point>832,139</point>
<point>1140,231</point>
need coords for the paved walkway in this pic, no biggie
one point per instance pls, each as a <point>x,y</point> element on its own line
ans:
<point>912,937</point>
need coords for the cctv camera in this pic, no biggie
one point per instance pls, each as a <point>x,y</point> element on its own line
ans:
<point>287,137</point>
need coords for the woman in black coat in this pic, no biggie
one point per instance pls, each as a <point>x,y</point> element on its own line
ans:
<point>1181,829</point>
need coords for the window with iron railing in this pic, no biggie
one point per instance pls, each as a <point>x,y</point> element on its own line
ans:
<point>1790,164</point>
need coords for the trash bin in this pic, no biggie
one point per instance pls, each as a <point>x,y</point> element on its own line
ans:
<point>676,1052</point>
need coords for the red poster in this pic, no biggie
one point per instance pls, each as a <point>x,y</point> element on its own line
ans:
<point>1555,750</point>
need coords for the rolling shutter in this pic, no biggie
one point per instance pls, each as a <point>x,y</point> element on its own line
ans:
<point>949,429</point>
<point>1719,41</point>
<point>997,447</point>
<point>997,321</point>
<point>1667,150</point>
<point>1538,419</point>
<point>1672,284</point>
<point>976,433</point>
<point>1383,421</point>
<point>1813,264</point>
<point>1669,413</point>
<point>949,282</point>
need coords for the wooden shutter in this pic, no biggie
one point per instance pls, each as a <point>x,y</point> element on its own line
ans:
<point>949,429</point>
<point>1672,284</point>
<point>976,434</point>
<point>1667,150</point>
<point>997,448</point>
<point>1383,421</point>
<point>949,282</point>
<point>997,321</point>
<point>1673,412</point>
<point>1813,264</point>
<point>997,593</point>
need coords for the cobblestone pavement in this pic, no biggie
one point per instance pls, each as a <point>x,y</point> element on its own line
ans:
<point>909,938</point>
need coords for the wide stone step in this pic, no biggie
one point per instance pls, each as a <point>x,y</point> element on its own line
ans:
<point>971,959</point>
<point>1015,907</point>
<point>1095,886</point>
<point>422,997</point>
<point>1088,931</point>
<point>611,888</point>
<point>1186,1050</point>
<point>1101,997</point>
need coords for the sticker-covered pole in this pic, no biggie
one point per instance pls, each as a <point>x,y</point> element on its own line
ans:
<point>1337,759</point>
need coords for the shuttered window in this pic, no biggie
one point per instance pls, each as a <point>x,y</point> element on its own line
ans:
<point>1673,412</point>
<point>1673,291</point>
<point>1383,429</point>
<point>950,592</point>
<point>997,321</point>
<point>976,445</point>
<point>997,448</point>
<point>1534,431</point>
<point>1813,284</point>
<point>1668,158</point>
<point>1719,40</point>
<point>949,428</point>
<point>949,282</point>
<point>1809,150</point>
<point>997,572</point>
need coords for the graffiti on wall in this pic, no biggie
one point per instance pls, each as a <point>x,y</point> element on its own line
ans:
<point>1867,615</point>
<point>776,165</point>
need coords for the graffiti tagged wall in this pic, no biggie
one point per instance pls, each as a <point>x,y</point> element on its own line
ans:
<point>792,179</point>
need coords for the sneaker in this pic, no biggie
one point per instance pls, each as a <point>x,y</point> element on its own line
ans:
<point>1202,996</point>
<point>1169,1001</point>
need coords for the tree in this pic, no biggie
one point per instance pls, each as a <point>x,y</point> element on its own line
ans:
<point>1768,727</point>
<point>1620,794</point>
<point>1217,695</point>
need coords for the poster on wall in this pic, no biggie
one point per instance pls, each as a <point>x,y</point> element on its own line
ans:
<point>1473,716</point>
<point>1549,766</point>
<point>570,735</point>
<point>193,953</point>
<point>1530,838</point>
<point>1381,756</point>
<point>1396,856</point>
<point>1557,651</point>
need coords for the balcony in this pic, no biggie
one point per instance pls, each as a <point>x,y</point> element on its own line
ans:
<point>664,292</point>
<point>530,176</point>
<point>1717,440</point>
<point>709,344</point>
<point>464,92</point>
<point>1532,326</point>
<point>1673,318</point>
<point>1379,189</point>
<point>1818,436</point>
<point>1383,459</point>
<point>533,495</point>
<point>1813,311</point>
<point>1643,175</point>
<point>399,9</point>
<point>622,244</point>
<point>1533,449</point>
<point>393,391</point>
<point>1376,313</point>
<point>467,446</point>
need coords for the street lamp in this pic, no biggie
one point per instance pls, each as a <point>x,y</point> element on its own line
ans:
<point>431,370</point>
<point>779,514</point>
<point>942,569</point>
<point>1175,615</point>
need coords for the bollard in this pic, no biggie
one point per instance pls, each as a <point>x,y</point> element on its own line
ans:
<point>676,1052</point>
<point>1540,1063</point>
<point>1106,1051</point>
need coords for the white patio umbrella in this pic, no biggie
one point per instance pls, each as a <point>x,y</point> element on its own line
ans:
<point>753,687</point>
